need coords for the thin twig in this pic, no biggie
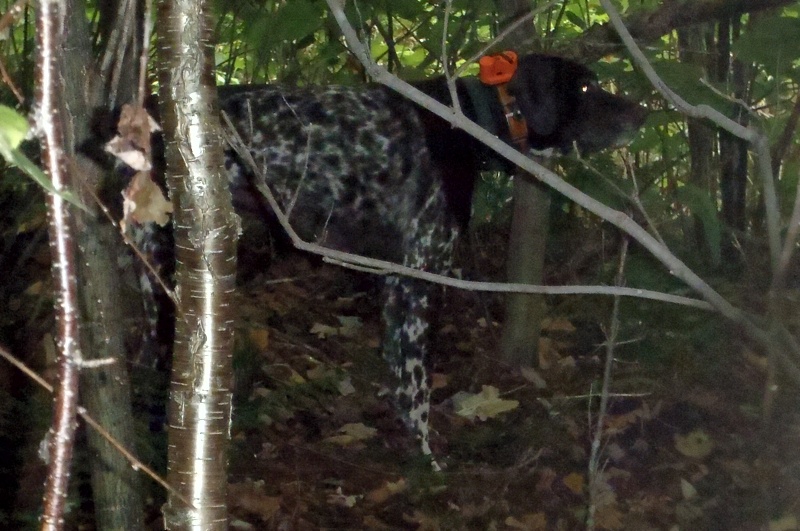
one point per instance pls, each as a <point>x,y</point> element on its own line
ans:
<point>376,266</point>
<point>132,459</point>
<point>5,21</point>
<point>611,342</point>
<point>505,33</point>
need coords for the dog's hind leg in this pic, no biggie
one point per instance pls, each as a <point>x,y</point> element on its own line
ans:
<point>428,244</point>
<point>406,349</point>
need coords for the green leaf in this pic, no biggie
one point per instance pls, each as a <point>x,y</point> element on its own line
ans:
<point>771,41</point>
<point>408,9</point>
<point>294,20</point>
<point>13,128</point>
<point>685,80</point>
<point>575,19</point>
<point>17,158</point>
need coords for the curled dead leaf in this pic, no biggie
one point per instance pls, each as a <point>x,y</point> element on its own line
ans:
<point>144,201</point>
<point>250,497</point>
<point>484,405</point>
<point>352,433</point>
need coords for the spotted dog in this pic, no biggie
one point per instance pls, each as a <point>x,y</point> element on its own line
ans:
<point>363,170</point>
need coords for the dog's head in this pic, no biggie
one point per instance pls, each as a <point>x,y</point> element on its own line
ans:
<point>563,105</point>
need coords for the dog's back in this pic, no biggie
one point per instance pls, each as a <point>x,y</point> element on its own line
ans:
<point>349,166</point>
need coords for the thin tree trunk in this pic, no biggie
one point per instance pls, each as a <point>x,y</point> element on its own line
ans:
<point>528,241</point>
<point>200,401</point>
<point>701,137</point>
<point>106,312</point>
<point>102,328</point>
<point>51,124</point>
<point>116,486</point>
<point>526,250</point>
<point>732,151</point>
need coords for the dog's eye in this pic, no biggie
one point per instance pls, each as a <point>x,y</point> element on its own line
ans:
<point>587,86</point>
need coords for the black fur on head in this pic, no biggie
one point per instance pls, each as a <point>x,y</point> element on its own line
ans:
<point>564,105</point>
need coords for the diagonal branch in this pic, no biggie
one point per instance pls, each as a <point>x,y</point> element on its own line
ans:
<point>383,267</point>
<point>756,138</point>
<point>615,217</point>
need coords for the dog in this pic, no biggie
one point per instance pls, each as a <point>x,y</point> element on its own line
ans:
<point>363,170</point>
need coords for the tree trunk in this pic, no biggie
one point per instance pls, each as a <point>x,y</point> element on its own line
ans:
<point>526,250</point>
<point>116,486</point>
<point>732,151</point>
<point>528,241</point>
<point>200,401</point>
<point>693,46</point>
<point>106,312</point>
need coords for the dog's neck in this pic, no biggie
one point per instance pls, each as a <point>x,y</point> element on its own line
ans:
<point>480,103</point>
<point>484,101</point>
<point>484,104</point>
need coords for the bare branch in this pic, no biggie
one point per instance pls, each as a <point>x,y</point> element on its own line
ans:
<point>50,39</point>
<point>757,140</point>
<point>132,459</point>
<point>611,343</point>
<point>616,218</point>
<point>383,267</point>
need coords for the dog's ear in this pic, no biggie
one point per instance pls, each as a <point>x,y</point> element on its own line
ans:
<point>537,96</point>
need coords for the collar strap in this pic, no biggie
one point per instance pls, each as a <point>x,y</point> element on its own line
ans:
<point>497,70</point>
<point>517,125</point>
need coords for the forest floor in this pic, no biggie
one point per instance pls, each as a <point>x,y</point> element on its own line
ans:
<point>318,445</point>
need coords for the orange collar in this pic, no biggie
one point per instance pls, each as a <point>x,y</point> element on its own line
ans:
<point>497,70</point>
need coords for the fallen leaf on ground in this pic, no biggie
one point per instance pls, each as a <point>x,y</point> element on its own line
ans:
<point>259,337</point>
<point>351,433</point>
<point>608,517</point>
<point>548,354</point>
<point>322,330</point>
<point>697,444</point>
<point>342,500</point>
<point>374,524</point>
<point>528,522</point>
<point>387,490</point>
<point>249,496</point>
<point>439,381</point>
<point>533,376</point>
<point>786,523</point>
<point>574,482</point>
<point>349,325</point>
<point>425,522</point>
<point>687,490</point>
<point>346,387</point>
<point>484,405</point>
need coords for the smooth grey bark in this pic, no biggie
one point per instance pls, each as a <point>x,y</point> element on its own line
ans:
<point>528,240</point>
